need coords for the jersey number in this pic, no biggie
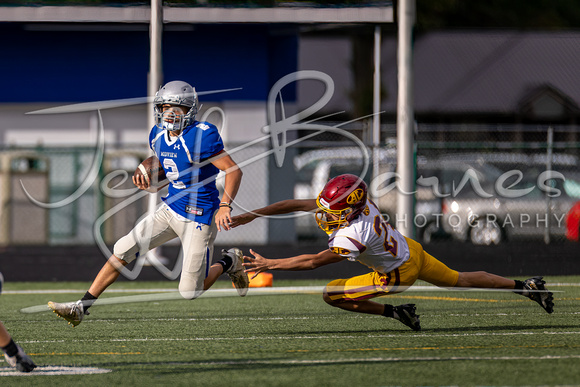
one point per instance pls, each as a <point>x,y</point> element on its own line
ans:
<point>173,175</point>
<point>390,244</point>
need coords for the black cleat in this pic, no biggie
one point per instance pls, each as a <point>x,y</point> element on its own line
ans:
<point>406,315</point>
<point>21,361</point>
<point>535,290</point>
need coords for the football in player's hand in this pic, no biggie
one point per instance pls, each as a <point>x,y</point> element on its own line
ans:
<point>151,172</point>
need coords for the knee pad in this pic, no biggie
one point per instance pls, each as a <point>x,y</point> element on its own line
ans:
<point>126,249</point>
<point>189,287</point>
<point>189,294</point>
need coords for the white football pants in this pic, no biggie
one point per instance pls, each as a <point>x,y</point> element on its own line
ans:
<point>162,226</point>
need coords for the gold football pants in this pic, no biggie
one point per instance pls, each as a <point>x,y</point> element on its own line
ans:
<point>420,265</point>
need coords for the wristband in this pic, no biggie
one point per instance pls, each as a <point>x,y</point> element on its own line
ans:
<point>224,204</point>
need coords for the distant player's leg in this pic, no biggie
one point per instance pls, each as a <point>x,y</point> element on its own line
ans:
<point>150,232</point>
<point>13,353</point>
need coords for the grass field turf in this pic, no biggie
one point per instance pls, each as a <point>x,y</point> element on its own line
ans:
<point>468,338</point>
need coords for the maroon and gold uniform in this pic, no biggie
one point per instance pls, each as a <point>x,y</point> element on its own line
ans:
<point>397,261</point>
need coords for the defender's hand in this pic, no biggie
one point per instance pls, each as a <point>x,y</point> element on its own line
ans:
<point>242,219</point>
<point>258,264</point>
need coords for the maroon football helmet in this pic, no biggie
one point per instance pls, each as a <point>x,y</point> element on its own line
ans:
<point>341,200</point>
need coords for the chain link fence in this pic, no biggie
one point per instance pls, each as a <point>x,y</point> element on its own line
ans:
<point>502,183</point>
<point>482,184</point>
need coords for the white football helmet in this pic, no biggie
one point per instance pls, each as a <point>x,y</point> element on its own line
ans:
<point>175,93</point>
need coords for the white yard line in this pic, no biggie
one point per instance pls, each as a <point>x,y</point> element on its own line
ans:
<point>81,291</point>
<point>307,337</point>
<point>91,370</point>
<point>55,370</point>
<point>171,294</point>
<point>152,295</point>
<point>267,290</point>
<point>380,360</point>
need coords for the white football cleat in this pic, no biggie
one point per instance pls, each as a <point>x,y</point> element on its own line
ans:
<point>73,312</point>
<point>236,272</point>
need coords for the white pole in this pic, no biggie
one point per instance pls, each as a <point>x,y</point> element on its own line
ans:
<point>550,146</point>
<point>404,220</point>
<point>155,69</point>
<point>153,84</point>
<point>377,103</point>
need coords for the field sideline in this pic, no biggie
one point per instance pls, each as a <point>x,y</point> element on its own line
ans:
<point>141,335</point>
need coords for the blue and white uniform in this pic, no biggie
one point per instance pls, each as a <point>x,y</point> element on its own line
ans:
<point>188,209</point>
<point>192,192</point>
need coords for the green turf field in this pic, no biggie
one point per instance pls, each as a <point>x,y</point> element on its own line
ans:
<point>294,338</point>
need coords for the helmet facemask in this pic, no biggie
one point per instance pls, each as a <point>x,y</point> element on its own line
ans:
<point>329,226</point>
<point>175,93</point>
<point>170,120</point>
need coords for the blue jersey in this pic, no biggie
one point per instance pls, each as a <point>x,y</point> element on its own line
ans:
<point>192,190</point>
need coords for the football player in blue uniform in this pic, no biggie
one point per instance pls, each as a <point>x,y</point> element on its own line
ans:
<point>192,154</point>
